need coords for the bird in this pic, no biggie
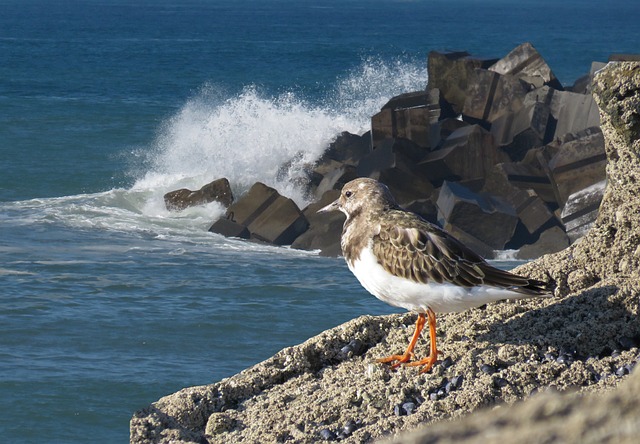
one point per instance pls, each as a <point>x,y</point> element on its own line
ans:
<point>411,263</point>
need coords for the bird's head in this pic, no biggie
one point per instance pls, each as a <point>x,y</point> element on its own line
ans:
<point>362,195</point>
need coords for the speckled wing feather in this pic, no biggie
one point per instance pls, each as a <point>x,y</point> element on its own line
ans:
<point>412,248</point>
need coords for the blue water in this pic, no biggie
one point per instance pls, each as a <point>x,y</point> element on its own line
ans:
<point>108,301</point>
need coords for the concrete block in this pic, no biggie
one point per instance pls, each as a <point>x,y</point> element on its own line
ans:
<point>487,219</point>
<point>229,228</point>
<point>268,216</point>
<point>576,162</point>
<point>491,95</point>
<point>450,72</point>
<point>467,154</point>
<point>572,111</point>
<point>324,230</point>
<point>526,63</point>
<point>529,127</point>
<point>411,116</point>
<point>550,241</point>
<point>581,210</point>
<point>393,163</point>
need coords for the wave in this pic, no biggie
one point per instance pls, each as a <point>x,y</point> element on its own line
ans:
<point>245,137</point>
<point>249,137</point>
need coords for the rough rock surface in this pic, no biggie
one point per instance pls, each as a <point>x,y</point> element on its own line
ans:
<point>585,339</point>
<point>219,190</point>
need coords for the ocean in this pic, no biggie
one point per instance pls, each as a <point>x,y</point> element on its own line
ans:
<point>107,300</point>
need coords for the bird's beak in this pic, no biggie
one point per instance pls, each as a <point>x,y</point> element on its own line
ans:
<point>333,206</point>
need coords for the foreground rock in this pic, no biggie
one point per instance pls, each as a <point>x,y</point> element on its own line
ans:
<point>584,340</point>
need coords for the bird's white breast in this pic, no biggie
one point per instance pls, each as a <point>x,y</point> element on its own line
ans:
<point>401,292</point>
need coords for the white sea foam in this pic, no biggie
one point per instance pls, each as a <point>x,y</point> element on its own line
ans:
<point>249,137</point>
<point>246,137</point>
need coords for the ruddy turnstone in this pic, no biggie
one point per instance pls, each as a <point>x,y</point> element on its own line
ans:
<point>408,262</point>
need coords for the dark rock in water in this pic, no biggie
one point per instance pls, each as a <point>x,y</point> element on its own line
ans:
<point>491,95</point>
<point>485,219</point>
<point>581,210</point>
<point>219,190</point>
<point>229,228</point>
<point>526,63</point>
<point>529,127</point>
<point>411,116</point>
<point>392,162</point>
<point>450,72</point>
<point>576,162</point>
<point>268,216</point>
<point>348,148</point>
<point>467,154</point>
<point>324,230</point>
<point>550,241</point>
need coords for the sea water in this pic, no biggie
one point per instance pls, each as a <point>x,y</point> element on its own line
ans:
<point>107,300</point>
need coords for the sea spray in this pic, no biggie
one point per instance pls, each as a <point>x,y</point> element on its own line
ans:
<point>245,137</point>
<point>250,136</point>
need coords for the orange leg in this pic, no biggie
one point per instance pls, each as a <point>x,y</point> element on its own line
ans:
<point>433,351</point>
<point>408,355</point>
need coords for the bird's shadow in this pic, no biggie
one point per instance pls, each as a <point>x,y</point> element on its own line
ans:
<point>591,323</point>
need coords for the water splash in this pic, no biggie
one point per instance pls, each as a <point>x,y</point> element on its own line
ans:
<point>245,137</point>
<point>249,137</point>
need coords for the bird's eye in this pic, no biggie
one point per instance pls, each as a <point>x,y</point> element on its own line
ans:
<point>348,193</point>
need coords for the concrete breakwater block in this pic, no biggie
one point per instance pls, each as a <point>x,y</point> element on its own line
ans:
<point>526,63</point>
<point>268,216</point>
<point>393,163</point>
<point>467,154</point>
<point>550,241</point>
<point>491,95</point>
<point>451,72</point>
<point>576,162</point>
<point>581,210</point>
<point>412,116</point>
<point>324,230</point>
<point>485,218</point>
<point>532,125</point>
<point>514,142</point>
<point>532,210</point>
<point>530,173</point>
<point>219,190</point>
<point>573,112</point>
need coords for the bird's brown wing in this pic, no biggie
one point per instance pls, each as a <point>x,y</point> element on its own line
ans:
<point>412,248</point>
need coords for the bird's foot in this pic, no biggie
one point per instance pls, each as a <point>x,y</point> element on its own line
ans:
<point>427,362</point>
<point>397,360</point>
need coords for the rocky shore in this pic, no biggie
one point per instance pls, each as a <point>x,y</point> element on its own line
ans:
<point>496,151</point>
<point>535,370</point>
